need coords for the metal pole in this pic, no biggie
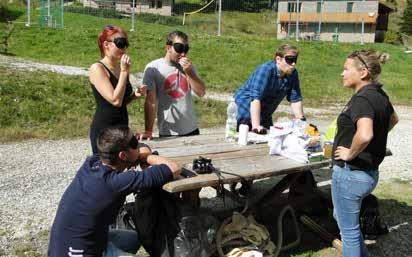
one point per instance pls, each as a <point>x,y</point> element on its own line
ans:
<point>219,20</point>
<point>49,22</point>
<point>133,13</point>
<point>363,31</point>
<point>290,14</point>
<point>320,18</point>
<point>28,14</point>
<point>62,16</point>
<point>363,28</point>
<point>297,20</point>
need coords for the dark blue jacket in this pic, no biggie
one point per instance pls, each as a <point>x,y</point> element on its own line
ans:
<point>91,203</point>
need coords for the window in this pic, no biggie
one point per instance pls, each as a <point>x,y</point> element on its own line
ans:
<point>319,7</point>
<point>155,4</point>
<point>349,7</point>
<point>292,7</point>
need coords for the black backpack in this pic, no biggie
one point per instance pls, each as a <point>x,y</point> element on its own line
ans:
<point>370,220</point>
<point>167,227</point>
<point>125,217</point>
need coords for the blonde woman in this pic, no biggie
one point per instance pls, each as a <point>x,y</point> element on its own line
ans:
<point>360,144</point>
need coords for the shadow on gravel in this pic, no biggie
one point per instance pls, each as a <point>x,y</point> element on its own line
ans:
<point>398,217</point>
<point>396,214</point>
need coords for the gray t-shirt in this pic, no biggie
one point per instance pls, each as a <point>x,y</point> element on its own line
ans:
<point>175,114</point>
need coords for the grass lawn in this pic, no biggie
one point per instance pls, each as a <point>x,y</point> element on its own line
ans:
<point>223,62</point>
<point>49,106</point>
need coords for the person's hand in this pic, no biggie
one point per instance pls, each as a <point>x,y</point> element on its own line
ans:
<point>125,63</point>
<point>145,135</point>
<point>342,153</point>
<point>186,64</point>
<point>259,130</point>
<point>144,152</point>
<point>140,91</point>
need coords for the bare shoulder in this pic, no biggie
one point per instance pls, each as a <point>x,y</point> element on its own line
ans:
<point>97,69</point>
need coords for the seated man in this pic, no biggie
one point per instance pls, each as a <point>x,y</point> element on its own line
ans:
<point>93,199</point>
<point>171,81</point>
<point>259,97</point>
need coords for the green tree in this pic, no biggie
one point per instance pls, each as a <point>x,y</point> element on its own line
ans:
<point>406,23</point>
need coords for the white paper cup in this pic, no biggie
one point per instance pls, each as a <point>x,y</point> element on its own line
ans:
<point>243,131</point>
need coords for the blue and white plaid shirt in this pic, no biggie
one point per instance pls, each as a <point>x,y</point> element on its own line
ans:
<point>266,85</point>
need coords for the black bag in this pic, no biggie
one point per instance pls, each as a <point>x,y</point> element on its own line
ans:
<point>167,227</point>
<point>371,223</point>
<point>125,217</point>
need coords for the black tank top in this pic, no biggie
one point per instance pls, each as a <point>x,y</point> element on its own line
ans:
<point>106,114</point>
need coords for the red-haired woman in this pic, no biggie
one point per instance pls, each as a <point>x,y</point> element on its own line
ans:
<point>110,82</point>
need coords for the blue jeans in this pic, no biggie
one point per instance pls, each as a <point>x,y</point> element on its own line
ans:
<point>349,187</point>
<point>122,243</point>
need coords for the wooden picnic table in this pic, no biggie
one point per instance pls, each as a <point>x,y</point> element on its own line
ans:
<point>244,162</point>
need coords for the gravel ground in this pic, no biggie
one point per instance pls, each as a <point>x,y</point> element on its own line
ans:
<point>34,174</point>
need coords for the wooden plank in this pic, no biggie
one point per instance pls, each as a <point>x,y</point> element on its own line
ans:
<point>227,156</point>
<point>211,148</point>
<point>248,168</point>
<point>202,139</point>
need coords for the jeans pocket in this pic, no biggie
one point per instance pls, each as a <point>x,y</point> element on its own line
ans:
<point>361,187</point>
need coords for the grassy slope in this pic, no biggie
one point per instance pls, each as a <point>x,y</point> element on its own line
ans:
<point>61,106</point>
<point>224,63</point>
<point>48,105</point>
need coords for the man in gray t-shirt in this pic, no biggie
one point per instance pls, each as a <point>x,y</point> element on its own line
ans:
<point>171,81</point>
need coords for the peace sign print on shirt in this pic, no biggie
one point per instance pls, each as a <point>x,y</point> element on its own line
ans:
<point>176,85</point>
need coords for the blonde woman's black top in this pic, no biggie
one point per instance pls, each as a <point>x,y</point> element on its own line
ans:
<point>370,102</point>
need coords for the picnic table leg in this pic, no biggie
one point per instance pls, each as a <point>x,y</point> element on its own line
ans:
<point>192,198</point>
<point>279,188</point>
<point>302,194</point>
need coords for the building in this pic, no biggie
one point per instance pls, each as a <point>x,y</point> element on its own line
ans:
<point>161,7</point>
<point>362,21</point>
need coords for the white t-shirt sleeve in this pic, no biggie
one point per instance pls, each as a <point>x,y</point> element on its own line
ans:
<point>149,77</point>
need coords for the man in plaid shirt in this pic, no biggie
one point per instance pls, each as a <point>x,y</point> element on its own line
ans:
<point>259,97</point>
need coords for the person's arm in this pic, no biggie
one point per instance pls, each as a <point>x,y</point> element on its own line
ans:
<point>255,109</point>
<point>258,82</point>
<point>361,139</point>
<point>141,91</point>
<point>150,105</point>
<point>297,109</point>
<point>394,119</point>
<point>294,96</point>
<point>197,84</point>
<point>148,158</point>
<point>99,78</point>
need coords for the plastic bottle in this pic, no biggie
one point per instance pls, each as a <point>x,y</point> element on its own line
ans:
<point>231,122</point>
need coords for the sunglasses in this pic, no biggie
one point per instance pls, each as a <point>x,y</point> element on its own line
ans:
<point>291,59</point>
<point>133,143</point>
<point>120,42</point>
<point>357,54</point>
<point>181,48</point>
